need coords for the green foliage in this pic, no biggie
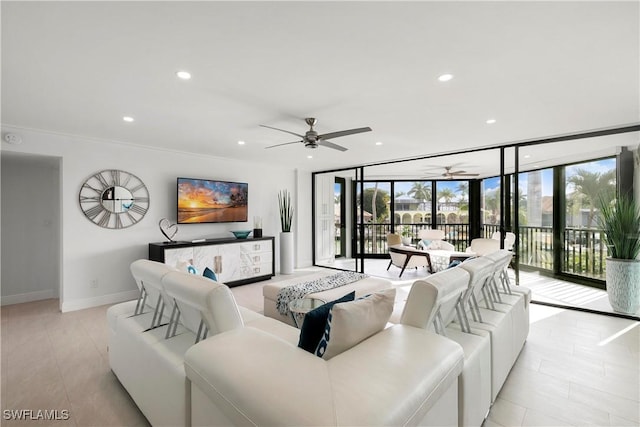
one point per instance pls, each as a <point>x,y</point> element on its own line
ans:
<point>286,210</point>
<point>382,203</point>
<point>420,191</point>
<point>620,221</point>
<point>406,231</point>
<point>447,194</point>
<point>593,187</point>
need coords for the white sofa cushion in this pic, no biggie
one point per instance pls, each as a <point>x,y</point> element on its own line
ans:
<point>200,298</point>
<point>350,323</point>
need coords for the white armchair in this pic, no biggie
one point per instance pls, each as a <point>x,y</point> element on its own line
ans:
<point>482,247</point>
<point>433,239</point>
<point>405,257</point>
<point>509,239</point>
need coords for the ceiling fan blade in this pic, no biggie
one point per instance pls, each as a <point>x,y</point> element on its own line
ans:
<point>328,144</point>
<point>282,130</point>
<point>286,143</point>
<point>456,172</point>
<point>466,174</point>
<point>343,133</point>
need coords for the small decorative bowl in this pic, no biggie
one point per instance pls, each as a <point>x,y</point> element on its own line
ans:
<point>241,234</point>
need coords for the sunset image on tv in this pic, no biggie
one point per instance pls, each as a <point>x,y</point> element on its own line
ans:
<point>202,200</point>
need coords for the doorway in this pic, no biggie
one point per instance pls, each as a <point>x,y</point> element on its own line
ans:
<point>31,227</point>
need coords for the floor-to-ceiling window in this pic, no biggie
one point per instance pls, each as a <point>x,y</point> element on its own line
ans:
<point>586,185</point>
<point>340,216</point>
<point>375,218</point>
<point>490,206</point>
<point>535,217</point>
<point>412,208</point>
<point>452,211</point>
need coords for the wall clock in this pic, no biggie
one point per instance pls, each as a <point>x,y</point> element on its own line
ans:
<point>114,199</point>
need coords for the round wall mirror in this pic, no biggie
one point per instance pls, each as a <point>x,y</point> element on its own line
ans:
<point>117,199</point>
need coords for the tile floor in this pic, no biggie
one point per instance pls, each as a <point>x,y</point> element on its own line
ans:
<point>576,369</point>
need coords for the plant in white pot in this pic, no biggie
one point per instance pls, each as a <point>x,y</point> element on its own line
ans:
<point>406,235</point>
<point>620,221</point>
<point>286,236</point>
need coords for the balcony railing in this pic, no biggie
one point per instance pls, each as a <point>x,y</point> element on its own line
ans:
<point>584,253</point>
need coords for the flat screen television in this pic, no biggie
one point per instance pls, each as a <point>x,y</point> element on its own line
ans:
<point>206,201</point>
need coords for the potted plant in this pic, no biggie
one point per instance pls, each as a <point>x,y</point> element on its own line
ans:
<point>286,236</point>
<point>406,235</point>
<point>620,221</point>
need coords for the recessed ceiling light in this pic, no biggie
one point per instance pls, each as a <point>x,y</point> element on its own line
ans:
<point>491,121</point>
<point>184,75</point>
<point>240,142</point>
<point>309,157</point>
<point>445,77</point>
<point>527,156</point>
<point>378,143</point>
<point>127,119</point>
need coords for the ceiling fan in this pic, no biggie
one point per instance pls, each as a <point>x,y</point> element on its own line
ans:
<point>450,175</point>
<point>311,139</point>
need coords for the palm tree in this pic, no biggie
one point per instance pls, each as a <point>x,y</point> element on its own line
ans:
<point>463,190</point>
<point>421,191</point>
<point>463,195</point>
<point>593,186</point>
<point>447,194</point>
<point>492,205</point>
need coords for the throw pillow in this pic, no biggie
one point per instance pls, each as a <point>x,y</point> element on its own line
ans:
<point>210,274</point>
<point>350,323</point>
<point>186,267</point>
<point>314,323</point>
<point>424,243</point>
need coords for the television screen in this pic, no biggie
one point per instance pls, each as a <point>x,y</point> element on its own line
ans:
<point>203,200</point>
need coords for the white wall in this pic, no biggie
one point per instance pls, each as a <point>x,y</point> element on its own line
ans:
<point>30,228</point>
<point>92,253</point>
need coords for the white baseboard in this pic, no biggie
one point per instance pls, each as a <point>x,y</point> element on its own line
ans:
<point>27,297</point>
<point>83,303</point>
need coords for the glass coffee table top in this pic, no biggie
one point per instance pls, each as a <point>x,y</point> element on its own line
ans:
<point>301,306</point>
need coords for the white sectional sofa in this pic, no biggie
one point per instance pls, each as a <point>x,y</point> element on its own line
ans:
<point>491,341</point>
<point>247,368</point>
<point>443,364</point>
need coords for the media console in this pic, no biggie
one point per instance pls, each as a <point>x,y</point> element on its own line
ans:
<point>234,261</point>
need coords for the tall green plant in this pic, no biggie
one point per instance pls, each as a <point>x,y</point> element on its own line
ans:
<point>286,210</point>
<point>620,221</point>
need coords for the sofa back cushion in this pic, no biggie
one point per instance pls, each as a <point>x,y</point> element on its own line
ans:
<point>480,270</point>
<point>149,274</point>
<point>199,298</point>
<point>439,292</point>
<point>350,323</point>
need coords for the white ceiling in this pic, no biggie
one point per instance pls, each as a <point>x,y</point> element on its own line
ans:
<point>538,68</point>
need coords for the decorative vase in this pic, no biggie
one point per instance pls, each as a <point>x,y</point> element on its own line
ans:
<point>406,241</point>
<point>257,232</point>
<point>623,285</point>
<point>286,252</point>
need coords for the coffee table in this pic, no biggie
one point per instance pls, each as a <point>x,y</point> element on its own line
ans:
<point>301,306</point>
